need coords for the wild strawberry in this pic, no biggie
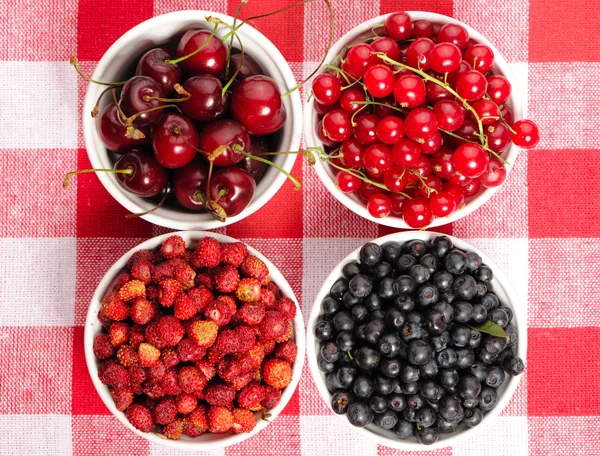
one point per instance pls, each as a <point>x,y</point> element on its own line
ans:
<point>127,356</point>
<point>170,357</point>
<point>277,373</point>
<point>248,290</point>
<point>123,397</point>
<point>247,338</point>
<point>137,373</point>
<point>104,320</point>
<point>169,382</point>
<point>118,333</point>
<point>268,345</point>
<point>162,271</point>
<point>122,280</point>
<point>156,372</point>
<point>230,301</point>
<point>203,332</point>
<point>139,255</point>
<point>202,297</point>
<point>114,307</point>
<point>286,335</point>
<point>227,341</point>
<point>185,307</point>
<point>112,373</point>
<point>233,253</point>
<point>142,311</point>
<point>287,351</point>
<point>185,275</point>
<point>287,307</point>
<point>196,422</point>
<point>142,270</point>
<point>102,347</point>
<point>173,247</point>
<point>226,278</point>
<point>220,419</point>
<point>170,329</point>
<point>251,313</point>
<point>148,355</point>
<point>256,356</point>
<point>189,350</point>
<point>273,325</point>
<point>250,396</point>
<point>229,369</point>
<point>186,403</point>
<point>241,381</point>
<point>191,380</point>
<point>153,335</point>
<point>165,411</point>
<point>204,280</point>
<point>207,254</point>
<point>254,267</point>
<point>131,290</point>
<point>207,368</point>
<point>187,256</point>
<point>243,420</point>
<point>173,430</point>
<point>275,289</point>
<point>267,298</point>
<point>213,355</point>
<point>140,417</point>
<point>219,394</point>
<point>168,291</point>
<point>219,312</point>
<point>272,397</point>
<point>153,390</point>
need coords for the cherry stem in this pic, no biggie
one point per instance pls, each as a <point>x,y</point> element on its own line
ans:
<point>73,61</point>
<point>177,131</point>
<point>149,211</point>
<point>340,71</point>
<point>97,105</point>
<point>495,154</point>
<point>239,150</point>
<point>178,88</point>
<point>193,53</point>
<point>222,193</point>
<point>215,210</point>
<point>68,176</point>
<point>235,18</point>
<point>236,36</point>
<point>129,120</point>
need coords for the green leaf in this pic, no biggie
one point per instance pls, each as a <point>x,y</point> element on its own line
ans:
<point>489,327</point>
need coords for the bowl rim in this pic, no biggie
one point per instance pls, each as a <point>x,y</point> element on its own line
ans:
<point>351,202</point>
<point>93,326</point>
<point>509,387</point>
<point>194,220</point>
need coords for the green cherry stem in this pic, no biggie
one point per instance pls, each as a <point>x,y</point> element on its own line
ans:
<point>218,21</point>
<point>73,61</point>
<point>239,150</point>
<point>235,18</point>
<point>193,53</point>
<point>68,176</point>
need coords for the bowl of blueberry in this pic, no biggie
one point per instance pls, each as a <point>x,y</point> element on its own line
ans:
<point>416,340</point>
<point>185,110</point>
<point>416,119</point>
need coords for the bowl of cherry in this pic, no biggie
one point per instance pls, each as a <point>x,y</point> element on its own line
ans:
<point>185,110</point>
<point>416,120</point>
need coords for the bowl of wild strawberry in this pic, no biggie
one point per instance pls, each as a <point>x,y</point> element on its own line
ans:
<point>184,112</point>
<point>194,340</point>
<point>416,120</point>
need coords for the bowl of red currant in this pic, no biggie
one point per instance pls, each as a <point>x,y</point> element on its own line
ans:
<point>416,120</point>
<point>185,109</point>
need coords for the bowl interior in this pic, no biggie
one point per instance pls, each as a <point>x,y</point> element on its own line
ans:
<point>206,441</point>
<point>119,62</point>
<point>327,175</point>
<point>505,293</point>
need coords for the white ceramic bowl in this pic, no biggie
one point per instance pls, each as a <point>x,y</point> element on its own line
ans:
<point>508,297</point>
<point>206,441</point>
<point>327,176</point>
<point>116,64</point>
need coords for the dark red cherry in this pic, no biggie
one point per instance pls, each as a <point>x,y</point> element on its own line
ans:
<point>249,67</point>
<point>224,134</point>
<point>133,100</point>
<point>152,64</point>
<point>170,138</point>
<point>257,104</point>
<point>210,60</point>
<point>256,169</point>
<point>233,189</point>
<point>148,177</point>
<point>189,183</point>
<point>112,132</point>
<point>206,102</point>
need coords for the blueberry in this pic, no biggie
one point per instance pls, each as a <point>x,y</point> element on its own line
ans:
<point>351,269</point>
<point>466,357</point>
<point>447,296</point>
<point>493,344</point>
<point>349,300</point>
<point>396,402</point>
<point>473,417</point>
<point>323,330</point>
<point>411,330</point>
<point>418,352</point>
<point>342,321</point>
<point>420,273</point>
<point>429,369</point>
<point>332,383</point>
<point>378,314</point>
<point>340,402</point>
<point>360,285</point>
<point>430,390</point>
<point>426,417</point>
<point>490,301</point>
<point>382,385</point>
<point>447,357</point>
<point>409,374</point>
<point>410,388</point>
<point>482,289</point>
<point>479,371</point>
<point>405,262</point>
<point>486,357</point>
<point>427,435</point>
<point>330,352</point>
<point>386,288</point>
<point>362,387</point>
<point>416,247</point>
<point>461,336</point>
<point>465,287</point>
<point>415,317</point>
<point>446,309</point>
<point>346,376</point>
<point>484,274</point>
<point>370,254</point>
<point>450,390</point>
<point>359,332</point>
<point>405,284</point>
<point>431,262</point>
<point>499,317</point>
<point>378,404</point>
<point>427,295</point>
<point>448,377</point>
<point>470,403</point>
<point>404,302</point>
<point>391,251</point>
<point>503,355</point>
<point>345,341</point>
<point>443,280</point>
<point>495,376</point>
<point>469,387</point>
<point>404,429</point>
<point>359,313</point>
<point>479,314</point>
<point>509,312</point>
<point>435,405</point>
<point>374,330</point>
<point>325,366</point>
<point>474,261</point>
<point>476,339</point>
<point>444,426</point>
<point>330,306</point>
<point>373,302</point>
<point>359,414</point>
<point>394,319</point>
<point>386,420</point>
<point>345,359</point>
<point>396,386</point>
<point>339,288</point>
<point>366,270</point>
<point>488,398</point>
<point>440,342</point>
<point>463,311</point>
<point>366,358</point>
<point>389,345</point>
<point>511,334</point>
<point>450,409</point>
<point>390,367</point>
<point>382,270</point>
<point>513,365</point>
<point>436,322</point>
<point>456,262</point>
<point>415,401</point>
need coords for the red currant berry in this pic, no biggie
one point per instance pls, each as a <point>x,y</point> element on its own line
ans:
<point>442,204</point>
<point>455,34</point>
<point>350,95</point>
<point>526,134</point>
<point>397,200</point>
<point>445,58</point>
<point>420,124</point>
<point>471,85</point>
<point>395,179</point>
<point>480,57</point>
<point>399,26</point>
<point>390,130</point>
<point>422,29</point>
<point>321,135</point>
<point>377,159</point>
<point>379,205</point>
<point>432,144</point>
<point>322,109</point>
<point>327,89</point>
<point>358,59</point>
<point>459,180</point>
<point>470,160</point>
<point>436,92</point>
<point>409,91</point>
<point>441,163</point>
<point>449,115</point>
<point>351,152</point>
<point>379,80</point>
<point>507,114</point>
<point>472,188</point>
<point>416,213</point>
<point>468,129</point>
<point>495,175</point>
<point>388,46</point>
<point>417,54</point>
<point>337,125</point>
<point>365,191</point>
<point>406,153</point>
<point>452,77</point>
<point>365,128</point>
<point>431,185</point>
<point>347,183</point>
<point>487,111</point>
<point>422,167</point>
<point>456,191</point>
<point>498,136</point>
<point>499,89</point>
<point>386,108</point>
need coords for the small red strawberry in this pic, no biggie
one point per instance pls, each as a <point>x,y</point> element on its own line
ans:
<point>170,383</point>
<point>123,397</point>
<point>102,347</point>
<point>170,357</point>
<point>251,313</point>
<point>196,422</point>
<point>254,267</point>
<point>165,411</point>
<point>112,373</point>
<point>274,325</point>
<point>131,290</point>
<point>226,278</point>
<point>127,356</point>
<point>185,307</point>
<point>153,390</point>
<point>191,380</point>
<point>122,280</point>
<point>148,354</point>
<point>241,381</point>
<point>204,280</point>
<point>220,419</point>
<point>170,329</point>
<point>207,368</point>
<point>188,350</point>
<point>272,397</point>
<point>229,369</point>
<point>203,332</point>
<point>140,417</point>
<point>286,335</point>
<point>207,254</point>
<point>268,345</point>
<point>277,373</point>
<point>227,341</point>
<point>104,320</point>
<point>287,307</point>
<point>186,403</point>
<point>275,289</point>
<point>219,394</point>
<point>243,420</point>
<point>251,396</point>
<point>287,351</point>
<point>142,311</point>
<point>137,335</point>
<point>256,355</point>
<point>267,298</point>
<point>248,290</point>
<point>137,256</point>
<point>247,338</point>
<point>156,372</point>
<point>230,301</point>
<point>233,253</point>
<point>162,271</point>
<point>173,247</point>
<point>137,373</point>
<point>173,430</point>
<point>118,333</point>
<point>168,291</point>
<point>142,270</point>
<point>185,275</point>
<point>114,307</point>
<point>153,335</point>
<point>202,297</point>
<point>219,312</point>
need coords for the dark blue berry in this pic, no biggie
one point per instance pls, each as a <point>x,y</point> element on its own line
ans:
<point>479,314</point>
<point>340,402</point>
<point>346,376</point>
<point>426,417</point>
<point>427,295</point>
<point>430,390</point>
<point>405,285</point>
<point>436,322</point>
<point>513,365</point>
<point>465,287</point>
<point>461,336</point>
<point>404,429</point>
<point>405,262</point>
<point>382,270</point>
<point>456,262</point>
<point>473,417</point>
<point>470,403</point>
<point>362,387</point>
<point>420,273</point>
<point>447,296</point>
<point>331,382</point>
<point>486,357</point>
<point>373,302</point>
<point>494,344</point>
<point>431,262</point>
<point>446,309</point>
<point>416,247</point>
<point>339,288</point>
<point>396,402</point>
<point>418,352</point>
<point>495,376</point>
<point>479,371</point>
<point>410,388</point>
<point>359,313</point>
<point>361,285</point>
<point>404,302</point>
<point>345,341</point>
<point>509,312</point>
<point>391,251</point>
<point>427,435</point>
<point>349,300</point>
<point>359,332</point>
<point>488,398</point>
<point>366,358</point>
<point>411,330</point>
<point>444,426</point>
<point>441,245</point>
<point>378,403</point>
<point>468,387</point>
<point>390,367</point>
<point>511,334</point>
<point>394,319</point>
<point>386,288</point>
<point>390,345</point>
<point>351,269</point>
<point>440,342</point>
<point>490,301</point>
<point>443,280</point>
<point>359,414</point>
<point>415,401</point>
<point>482,289</point>
<point>484,274</point>
<point>447,357</point>
<point>342,321</point>
<point>330,352</point>
<point>450,409</point>
<point>473,261</point>
<point>476,339</point>
<point>409,374</point>
<point>448,377</point>
<point>382,385</point>
<point>465,357</point>
<point>386,420</point>
<point>370,254</point>
<point>330,306</point>
<point>463,311</point>
<point>499,317</point>
<point>429,369</point>
<point>323,330</point>
<point>374,330</point>
<point>325,366</point>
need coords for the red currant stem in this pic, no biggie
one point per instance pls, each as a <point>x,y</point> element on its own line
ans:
<point>506,123</point>
<point>149,211</point>
<point>375,28</point>
<point>495,154</point>
<point>239,150</point>
<point>193,53</point>
<point>491,117</point>
<point>129,120</point>
<point>235,18</point>
<point>427,77</point>
<point>73,61</point>
<point>423,182</point>
<point>329,44</point>
<point>97,105</point>
<point>376,103</point>
<point>237,37</point>
<point>68,176</point>
<point>339,71</point>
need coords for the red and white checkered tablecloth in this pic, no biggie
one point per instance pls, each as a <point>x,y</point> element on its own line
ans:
<point>542,227</point>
